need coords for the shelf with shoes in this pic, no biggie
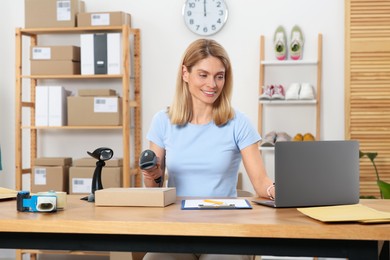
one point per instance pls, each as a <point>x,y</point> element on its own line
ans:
<point>290,105</point>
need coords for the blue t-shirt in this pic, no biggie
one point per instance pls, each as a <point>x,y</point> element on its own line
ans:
<point>203,160</point>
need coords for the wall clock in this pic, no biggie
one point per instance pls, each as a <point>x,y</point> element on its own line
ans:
<point>205,17</point>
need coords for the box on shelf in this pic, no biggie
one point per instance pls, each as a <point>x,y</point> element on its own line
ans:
<point>52,13</point>
<point>101,53</point>
<point>96,92</point>
<point>55,67</point>
<point>103,19</point>
<point>94,111</point>
<point>50,106</point>
<point>80,178</point>
<point>55,53</point>
<point>91,162</point>
<point>53,161</point>
<point>50,173</point>
<point>141,197</point>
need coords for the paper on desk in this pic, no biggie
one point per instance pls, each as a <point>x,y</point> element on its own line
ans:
<point>355,212</point>
<point>7,193</point>
<point>222,203</point>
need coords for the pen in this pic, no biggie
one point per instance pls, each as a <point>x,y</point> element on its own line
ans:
<point>214,202</point>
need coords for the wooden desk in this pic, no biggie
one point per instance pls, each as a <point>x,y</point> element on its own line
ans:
<point>261,231</point>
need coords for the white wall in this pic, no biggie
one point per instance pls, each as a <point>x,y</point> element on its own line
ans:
<point>164,38</point>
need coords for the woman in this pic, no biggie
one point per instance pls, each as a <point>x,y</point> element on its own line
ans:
<point>201,139</point>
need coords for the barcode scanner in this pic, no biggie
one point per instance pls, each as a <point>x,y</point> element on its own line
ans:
<point>101,154</point>
<point>148,160</point>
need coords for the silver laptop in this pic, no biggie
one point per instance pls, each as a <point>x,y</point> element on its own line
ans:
<point>315,173</point>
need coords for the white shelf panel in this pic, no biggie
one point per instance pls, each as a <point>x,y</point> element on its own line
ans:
<point>289,62</point>
<point>288,102</point>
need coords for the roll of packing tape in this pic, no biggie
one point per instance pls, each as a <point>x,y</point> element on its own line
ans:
<point>61,198</point>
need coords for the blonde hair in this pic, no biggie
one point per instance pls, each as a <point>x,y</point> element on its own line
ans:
<point>180,112</point>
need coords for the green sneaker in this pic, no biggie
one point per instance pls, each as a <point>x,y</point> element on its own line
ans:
<point>296,44</point>
<point>280,43</point>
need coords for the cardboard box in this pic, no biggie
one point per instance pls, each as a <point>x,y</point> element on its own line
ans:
<point>91,162</point>
<point>55,67</point>
<point>96,92</point>
<point>141,197</point>
<point>94,111</point>
<point>80,178</point>
<point>53,161</point>
<point>46,178</point>
<point>51,13</point>
<point>103,19</point>
<point>55,53</point>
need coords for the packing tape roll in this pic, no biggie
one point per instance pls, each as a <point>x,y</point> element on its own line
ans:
<point>61,198</point>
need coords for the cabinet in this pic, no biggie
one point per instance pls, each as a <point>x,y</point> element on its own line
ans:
<point>284,113</point>
<point>128,82</point>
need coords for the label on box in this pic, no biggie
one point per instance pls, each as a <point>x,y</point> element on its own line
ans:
<point>105,105</point>
<point>40,176</point>
<point>41,53</point>
<point>63,10</point>
<point>100,19</point>
<point>81,185</point>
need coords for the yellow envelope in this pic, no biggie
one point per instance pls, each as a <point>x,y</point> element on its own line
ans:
<point>355,212</point>
<point>7,193</point>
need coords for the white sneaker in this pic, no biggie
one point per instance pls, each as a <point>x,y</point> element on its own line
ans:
<point>307,91</point>
<point>293,91</point>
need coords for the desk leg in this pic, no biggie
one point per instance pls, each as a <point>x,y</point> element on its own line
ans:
<point>384,251</point>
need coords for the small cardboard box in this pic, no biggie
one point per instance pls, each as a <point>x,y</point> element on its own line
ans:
<point>141,197</point>
<point>80,178</point>
<point>103,19</point>
<point>55,67</point>
<point>94,111</point>
<point>46,178</point>
<point>53,161</point>
<point>96,92</point>
<point>51,13</point>
<point>70,53</point>
<point>91,162</point>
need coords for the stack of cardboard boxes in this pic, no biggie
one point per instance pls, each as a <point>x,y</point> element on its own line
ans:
<point>55,60</point>
<point>73,176</point>
<point>81,173</point>
<point>50,174</point>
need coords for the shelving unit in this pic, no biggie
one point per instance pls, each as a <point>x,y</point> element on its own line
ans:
<point>130,81</point>
<point>290,103</point>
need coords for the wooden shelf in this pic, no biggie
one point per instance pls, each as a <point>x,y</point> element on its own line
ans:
<point>74,30</point>
<point>288,62</point>
<point>130,81</point>
<point>288,102</point>
<point>317,102</point>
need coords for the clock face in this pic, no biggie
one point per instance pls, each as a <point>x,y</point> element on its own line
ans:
<point>205,17</point>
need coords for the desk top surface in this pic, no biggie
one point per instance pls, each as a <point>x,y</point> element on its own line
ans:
<point>264,222</point>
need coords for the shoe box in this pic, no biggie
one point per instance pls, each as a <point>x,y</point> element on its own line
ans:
<point>103,19</point>
<point>50,173</point>
<point>81,174</point>
<point>52,13</point>
<point>93,110</point>
<point>55,60</point>
<point>50,106</point>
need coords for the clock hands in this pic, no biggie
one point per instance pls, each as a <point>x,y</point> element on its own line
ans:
<point>204,8</point>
